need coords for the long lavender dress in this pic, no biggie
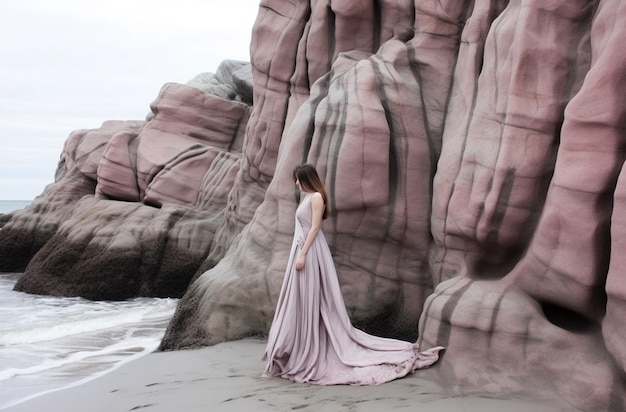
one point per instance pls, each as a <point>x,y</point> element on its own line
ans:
<point>312,339</point>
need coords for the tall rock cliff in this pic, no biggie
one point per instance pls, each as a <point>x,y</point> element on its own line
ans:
<point>473,154</point>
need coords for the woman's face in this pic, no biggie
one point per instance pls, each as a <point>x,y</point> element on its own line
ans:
<point>298,184</point>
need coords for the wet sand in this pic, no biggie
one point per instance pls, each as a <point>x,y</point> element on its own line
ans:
<point>227,377</point>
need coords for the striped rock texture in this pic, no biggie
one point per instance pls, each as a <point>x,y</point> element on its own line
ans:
<point>473,155</point>
<point>136,204</point>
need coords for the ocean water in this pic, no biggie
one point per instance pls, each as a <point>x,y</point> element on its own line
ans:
<point>7,206</point>
<point>50,343</point>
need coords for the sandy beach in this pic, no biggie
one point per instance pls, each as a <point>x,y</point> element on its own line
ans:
<point>227,377</point>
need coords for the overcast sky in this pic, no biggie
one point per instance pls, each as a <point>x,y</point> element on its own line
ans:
<point>72,64</point>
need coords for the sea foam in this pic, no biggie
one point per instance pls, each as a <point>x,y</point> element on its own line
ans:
<point>48,343</point>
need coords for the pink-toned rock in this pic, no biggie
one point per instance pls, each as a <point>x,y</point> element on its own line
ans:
<point>117,169</point>
<point>613,322</point>
<point>147,251</point>
<point>104,238</point>
<point>500,341</point>
<point>198,177</point>
<point>352,118</point>
<point>30,229</point>
<point>473,154</point>
<point>188,130</point>
<point>453,133</point>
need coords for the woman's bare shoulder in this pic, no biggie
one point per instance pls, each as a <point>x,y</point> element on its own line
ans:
<point>317,199</point>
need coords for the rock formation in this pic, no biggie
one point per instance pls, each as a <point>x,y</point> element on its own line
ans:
<point>135,205</point>
<point>473,154</point>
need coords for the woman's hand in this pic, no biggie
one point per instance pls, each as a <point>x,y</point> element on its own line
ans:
<point>300,261</point>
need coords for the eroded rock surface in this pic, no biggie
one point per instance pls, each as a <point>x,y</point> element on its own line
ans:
<point>135,204</point>
<point>473,154</point>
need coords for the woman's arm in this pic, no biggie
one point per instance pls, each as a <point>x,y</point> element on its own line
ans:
<point>317,210</point>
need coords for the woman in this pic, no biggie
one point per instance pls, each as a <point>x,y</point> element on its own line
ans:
<point>311,338</point>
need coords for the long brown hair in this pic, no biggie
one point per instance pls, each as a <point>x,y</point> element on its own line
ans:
<point>311,182</point>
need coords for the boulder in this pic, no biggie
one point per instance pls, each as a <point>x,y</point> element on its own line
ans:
<point>135,204</point>
<point>473,153</point>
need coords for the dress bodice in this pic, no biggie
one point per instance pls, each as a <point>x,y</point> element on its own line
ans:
<point>303,213</point>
